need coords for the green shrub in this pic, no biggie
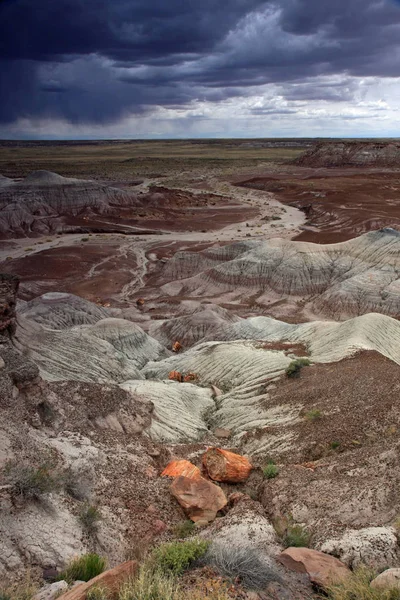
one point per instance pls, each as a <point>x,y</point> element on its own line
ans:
<point>297,536</point>
<point>176,557</point>
<point>313,415</point>
<point>150,584</point>
<point>85,239</point>
<point>28,482</point>
<point>294,368</point>
<point>83,568</point>
<point>357,587</point>
<point>89,517</point>
<point>184,529</point>
<point>334,445</point>
<point>270,470</point>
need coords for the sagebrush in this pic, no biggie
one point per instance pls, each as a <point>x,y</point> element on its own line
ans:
<point>176,557</point>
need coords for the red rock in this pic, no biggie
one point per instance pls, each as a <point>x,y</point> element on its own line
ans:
<point>177,347</point>
<point>190,377</point>
<point>177,468</point>
<point>111,580</point>
<point>322,569</point>
<point>222,465</point>
<point>175,376</point>
<point>159,526</point>
<point>201,499</point>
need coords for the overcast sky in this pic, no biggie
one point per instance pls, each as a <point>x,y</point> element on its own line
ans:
<point>199,68</point>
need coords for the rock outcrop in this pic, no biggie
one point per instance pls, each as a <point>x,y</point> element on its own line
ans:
<point>45,203</point>
<point>351,154</point>
<point>200,498</point>
<point>323,570</point>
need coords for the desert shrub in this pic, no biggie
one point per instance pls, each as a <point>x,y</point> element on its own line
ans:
<point>150,584</point>
<point>294,368</point>
<point>334,445</point>
<point>176,557</point>
<point>270,471</point>
<point>241,562</point>
<point>357,587</point>
<point>89,517</point>
<point>28,482</point>
<point>313,414</point>
<point>291,533</point>
<point>184,529</point>
<point>297,536</point>
<point>98,592</point>
<point>83,568</point>
<point>85,239</point>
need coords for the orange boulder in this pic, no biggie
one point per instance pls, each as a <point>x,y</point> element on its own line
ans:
<point>110,580</point>
<point>222,465</point>
<point>201,499</point>
<point>184,468</point>
<point>177,347</point>
<point>175,376</point>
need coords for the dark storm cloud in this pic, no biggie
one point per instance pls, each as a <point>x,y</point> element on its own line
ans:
<point>94,62</point>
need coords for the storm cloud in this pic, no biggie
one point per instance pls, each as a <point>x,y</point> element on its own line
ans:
<point>87,62</point>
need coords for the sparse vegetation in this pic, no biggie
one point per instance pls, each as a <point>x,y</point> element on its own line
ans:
<point>150,584</point>
<point>83,568</point>
<point>313,415</point>
<point>23,590</point>
<point>294,368</point>
<point>292,534</point>
<point>85,239</point>
<point>270,471</point>
<point>184,529</point>
<point>241,563</point>
<point>98,592</point>
<point>28,482</point>
<point>334,445</point>
<point>89,517</point>
<point>357,587</point>
<point>176,557</point>
<point>297,536</point>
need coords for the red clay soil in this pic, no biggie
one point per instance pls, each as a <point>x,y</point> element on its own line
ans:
<point>340,204</point>
<point>357,400</point>
<point>67,269</point>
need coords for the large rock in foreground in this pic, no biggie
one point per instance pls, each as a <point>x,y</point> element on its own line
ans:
<point>322,569</point>
<point>222,465</point>
<point>110,580</point>
<point>200,499</point>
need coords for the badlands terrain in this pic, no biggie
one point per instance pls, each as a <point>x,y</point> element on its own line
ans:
<point>161,299</point>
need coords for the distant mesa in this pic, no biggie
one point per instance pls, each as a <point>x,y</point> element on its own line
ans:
<point>351,154</point>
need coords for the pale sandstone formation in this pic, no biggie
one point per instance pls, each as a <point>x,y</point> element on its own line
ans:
<point>38,204</point>
<point>337,280</point>
<point>376,547</point>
